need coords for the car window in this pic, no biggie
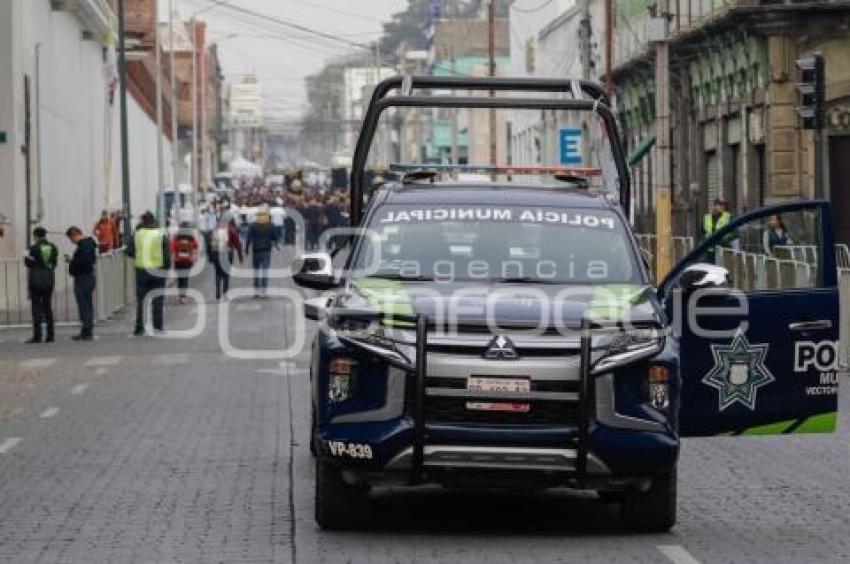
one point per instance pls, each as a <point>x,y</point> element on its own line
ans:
<point>775,252</point>
<point>469,243</point>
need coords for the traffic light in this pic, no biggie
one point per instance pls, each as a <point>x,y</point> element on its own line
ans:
<point>812,90</point>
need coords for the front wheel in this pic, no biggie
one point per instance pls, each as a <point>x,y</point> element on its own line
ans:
<point>339,506</point>
<point>314,436</point>
<point>653,510</point>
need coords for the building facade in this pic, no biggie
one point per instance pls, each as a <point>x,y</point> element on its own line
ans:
<point>734,129</point>
<point>357,86</point>
<point>59,127</point>
<point>246,120</point>
<point>460,47</point>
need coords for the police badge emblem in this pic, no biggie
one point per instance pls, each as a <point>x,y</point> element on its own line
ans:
<point>739,371</point>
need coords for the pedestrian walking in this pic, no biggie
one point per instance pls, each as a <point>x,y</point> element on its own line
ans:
<point>259,244</point>
<point>106,233</point>
<point>81,268</point>
<point>224,243</point>
<point>184,253</point>
<point>149,248</point>
<point>289,223</point>
<point>278,218</point>
<point>41,263</point>
<point>311,212</point>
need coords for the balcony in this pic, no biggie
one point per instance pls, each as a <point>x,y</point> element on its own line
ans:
<point>96,17</point>
<point>686,16</point>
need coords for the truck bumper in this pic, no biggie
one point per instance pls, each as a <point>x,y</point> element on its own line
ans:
<point>616,457</point>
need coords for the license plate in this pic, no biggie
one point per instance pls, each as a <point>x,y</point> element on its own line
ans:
<point>514,385</point>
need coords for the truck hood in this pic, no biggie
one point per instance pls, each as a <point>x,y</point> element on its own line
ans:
<point>519,305</point>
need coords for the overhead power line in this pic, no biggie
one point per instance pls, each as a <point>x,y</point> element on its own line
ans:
<point>324,39</point>
<point>266,28</point>
<point>338,11</point>
<point>288,24</point>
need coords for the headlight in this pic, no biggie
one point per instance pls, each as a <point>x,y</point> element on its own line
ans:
<point>625,347</point>
<point>341,384</point>
<point>658,391</point>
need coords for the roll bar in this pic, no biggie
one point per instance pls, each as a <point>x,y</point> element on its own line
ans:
<point>586,96</point>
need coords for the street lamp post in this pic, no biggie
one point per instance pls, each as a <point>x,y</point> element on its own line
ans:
<point>160,169</point>
<point>175,154</point>
<point>194,167</point>
<point>125,145</point>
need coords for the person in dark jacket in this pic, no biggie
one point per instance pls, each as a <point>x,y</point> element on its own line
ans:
<point>41,262</point>
<point>260,241</point>
<point>81,267</point>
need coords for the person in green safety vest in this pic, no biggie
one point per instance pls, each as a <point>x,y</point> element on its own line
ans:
<point>717,219</point>
<point>41,261</point>
<point>149,248</point>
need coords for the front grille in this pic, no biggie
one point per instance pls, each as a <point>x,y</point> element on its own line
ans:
<point>523,352</point>
<point>453,410</point>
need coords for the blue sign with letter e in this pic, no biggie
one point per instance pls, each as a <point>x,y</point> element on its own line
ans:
<point>570,145</point>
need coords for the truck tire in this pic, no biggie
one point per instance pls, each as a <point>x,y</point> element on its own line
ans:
<point>339,506</point>
<point>653,510</point>
<point>313,435</point>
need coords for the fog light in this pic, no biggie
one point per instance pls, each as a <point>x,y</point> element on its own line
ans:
<point>659,398</point>
<point>341,384</point>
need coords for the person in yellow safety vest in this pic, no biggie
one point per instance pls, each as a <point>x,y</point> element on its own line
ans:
<point>149,248</point>
<point>717,219</point>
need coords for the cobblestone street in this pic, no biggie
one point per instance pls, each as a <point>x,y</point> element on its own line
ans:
<point>128,450</point>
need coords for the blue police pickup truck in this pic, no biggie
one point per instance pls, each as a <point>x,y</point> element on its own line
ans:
<point>508,334</point>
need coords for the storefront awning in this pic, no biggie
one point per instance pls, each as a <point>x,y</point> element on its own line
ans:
<point>641,150</point>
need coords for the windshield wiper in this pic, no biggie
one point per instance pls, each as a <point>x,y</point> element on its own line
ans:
<point>525,280</point>
<point>403,278</point>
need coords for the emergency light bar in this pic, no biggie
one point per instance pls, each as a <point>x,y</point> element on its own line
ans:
<point>580,171</point>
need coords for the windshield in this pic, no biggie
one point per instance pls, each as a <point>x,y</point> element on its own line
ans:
<point>502,244</point>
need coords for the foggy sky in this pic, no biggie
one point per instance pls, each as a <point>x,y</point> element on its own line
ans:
<point>282,58</point>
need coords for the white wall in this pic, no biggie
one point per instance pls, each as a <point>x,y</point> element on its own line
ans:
<point>79,129</point>
<point>9,151</point>
<point>143,163</point>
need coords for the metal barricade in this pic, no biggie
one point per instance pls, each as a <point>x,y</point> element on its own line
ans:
<point>111,292</point>
<point>842,256</point>
<point>114,290</point>
<point>15,308</point>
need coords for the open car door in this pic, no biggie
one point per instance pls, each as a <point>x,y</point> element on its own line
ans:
<point>759,350</point>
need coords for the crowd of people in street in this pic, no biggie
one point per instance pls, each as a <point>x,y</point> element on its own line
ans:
<point>248,220</point>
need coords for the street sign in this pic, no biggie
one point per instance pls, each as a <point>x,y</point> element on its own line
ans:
<point>570,142</point>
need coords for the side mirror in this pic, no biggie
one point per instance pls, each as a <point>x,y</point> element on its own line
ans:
<point>315,271</point>
<point>315,309</point>
<point>704,275</point>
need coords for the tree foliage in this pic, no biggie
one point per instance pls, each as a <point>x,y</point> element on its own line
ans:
<point>410,26</point>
